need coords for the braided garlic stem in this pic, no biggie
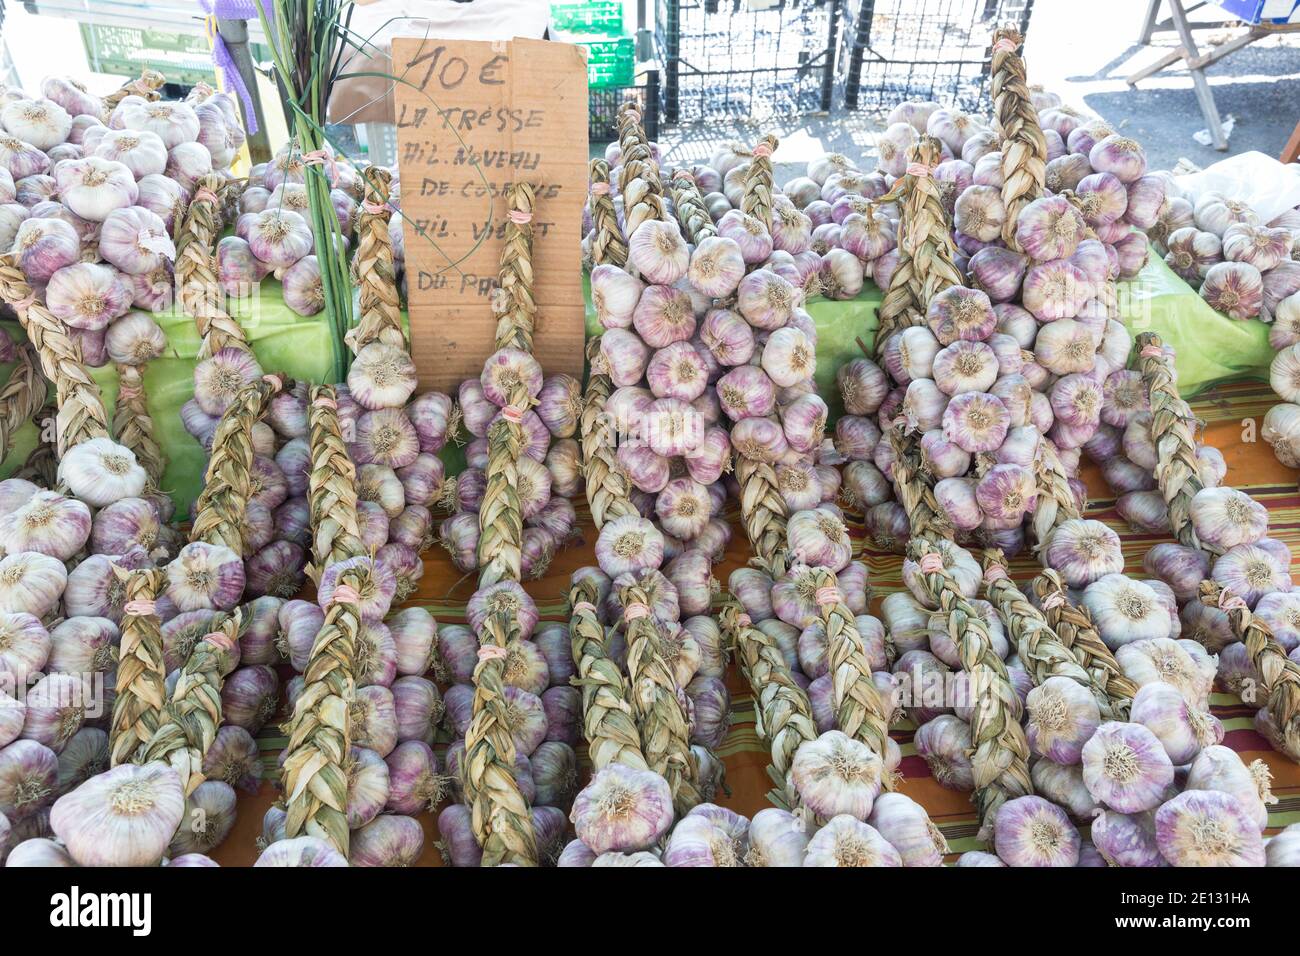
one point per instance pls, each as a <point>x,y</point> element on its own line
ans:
<point>198,288</point>
<point>1001,756</point>
<point>1056,502</point>
<point>782,711</point>
<point>81,414</point>
<point>374,272</point>
<point>660,714</point>
<point>1073,625</point>
<point>609,492</point>
<point>762,511</point>
<point>1279,675</point>
<point>1042,652</point>
<point>501,519</point>
<point>318,751</point>
<point>146,85</point>
<point>227,485</point>
<point>141,674</point>
<point>517,312</point>
<point>42,467</point>
<point>133,426</point>
<point>190,720</point>
<point>21,398</point>
<point>926,251</point>
<point>756,200</point>
<point>1024,149</point>
<point>608,245</point>
<point>607,722</point>
<point>639,173</point>
<point>1173,427</point>
<point>331,486</point>
<point>859,711</point>
<point>694,218</point>
<point>499,814</point>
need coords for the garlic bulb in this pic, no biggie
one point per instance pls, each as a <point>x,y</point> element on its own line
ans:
<point>836,774</point>
<point>622,809</point>
<point>209,818</point>
<point>125,817</point>
<point>93,187</point>
<point>47,523</point>
<point>708,835</point>
<point>1281,850</point>
<point>847,841</point>
<point>43,123</point>
<point>907,827</point>
<point>1124,610</point>
<point>88,296</point>
<point>100,471</point>
<point>387,840</point>
<point>777,838</point>
<point>1063,784</point>
<point>303,851</point>
<point>1251,572</point>
<point>140,151</point>
<point>1207,828</point>
<point>1234,288</point>
<point>174,122</point>
<point>1163,659</point>
<point>382,376</point>
<point>1220,768</point>
<point>1062,717</point>
<point>1126,767</point>
<point>205,576</point>
<point>1181,729</point>
<point>945,745</point>
<point>1030,831</point>
<point>1083,551</point>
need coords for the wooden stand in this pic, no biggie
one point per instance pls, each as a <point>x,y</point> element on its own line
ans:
<point>1197,61</point>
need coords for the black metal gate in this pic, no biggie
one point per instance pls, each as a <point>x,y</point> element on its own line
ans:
<point>896,50</point>
<point>728,59</point>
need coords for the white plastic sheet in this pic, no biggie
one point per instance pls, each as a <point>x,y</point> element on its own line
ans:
<point>1269,187</point>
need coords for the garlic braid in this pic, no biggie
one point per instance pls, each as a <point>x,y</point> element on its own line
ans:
<point>607,723</point>
<point>608,244</point>
<point>1073,625</point>
<point>1024,149</point>
<point>146,85</point>
<point>198,288</point>
<point>660,715</point>
<point>689,204</point>
<point>757,198</point>
<point>227,484</point>
<point>81,414</point>
<point>606,484</point>
<point>1001,752</point>
<point>638,172</point>
<point>374,271</point>
<point>41,467</point>
<point>133,427</point>
<point>332,487</point>
<point>925,247</point>
<point>517,310</point>
<point>21,398</point>
<point>141,673</point>
<point>782,711</point>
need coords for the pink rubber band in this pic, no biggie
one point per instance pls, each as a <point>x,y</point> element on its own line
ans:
<point>519,217</point>
<point>25,303</point>
<point>203,194</point>
<point>344,593</point>
<point>274,381</point>
<point>829,595</point>
<point>492,652</point>
<point>635,611</point>
<point>931,562</point>
<point>600,189</point>
<point>744,620</point>
<point>139,608</point>
<point>994,572</point>
<point>762,150</point>
<point>318,157</point>
<point>1005,45</point>
<point>584,607</point>
<point>1053,599</point>
<point>374,208</point>
<point>1230,602</point>
<point>126,393</point>
<point>324,401</point>
<point>919,170</point>
<point>1152,351</point>
<point>513,414</point>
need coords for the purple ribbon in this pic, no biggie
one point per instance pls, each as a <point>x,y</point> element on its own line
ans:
<point>232,10</point>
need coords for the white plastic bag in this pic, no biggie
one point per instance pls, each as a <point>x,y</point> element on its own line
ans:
<point>1266,185</point>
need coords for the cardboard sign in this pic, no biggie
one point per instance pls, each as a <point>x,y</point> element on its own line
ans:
<point>472,118</point>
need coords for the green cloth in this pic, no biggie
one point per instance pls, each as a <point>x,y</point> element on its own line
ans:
<point>1211,349</point>
<point>282,340</point>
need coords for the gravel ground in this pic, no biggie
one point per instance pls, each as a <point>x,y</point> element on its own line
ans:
<point>1084,58</point>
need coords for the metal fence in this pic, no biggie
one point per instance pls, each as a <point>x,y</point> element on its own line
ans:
<point>603,104</point>
<point>895,50</point>
<point>751,59</point>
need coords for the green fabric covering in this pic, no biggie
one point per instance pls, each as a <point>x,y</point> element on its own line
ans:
<point>1211,349</point>
<point>282,340</point>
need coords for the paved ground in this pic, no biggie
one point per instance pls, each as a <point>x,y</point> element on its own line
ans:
<point>1084,56</point>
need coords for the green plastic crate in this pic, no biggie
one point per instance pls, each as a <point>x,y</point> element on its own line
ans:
<point>595,16</point>
<point>183,58</point>
<point>610,62</point>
